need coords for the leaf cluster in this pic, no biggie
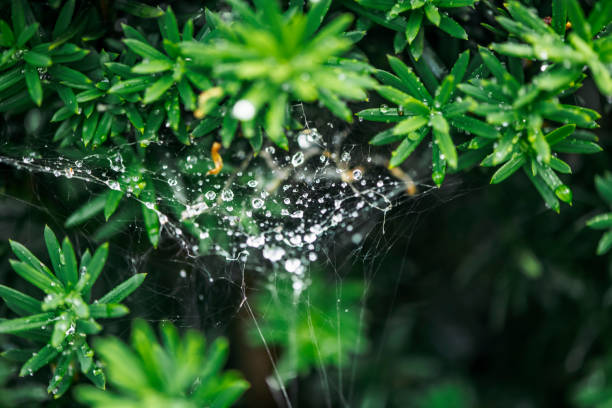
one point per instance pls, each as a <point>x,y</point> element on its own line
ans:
<point>66,316</point>
<point>178,372</point>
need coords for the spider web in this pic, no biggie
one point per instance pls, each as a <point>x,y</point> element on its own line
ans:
<point>275,217</point>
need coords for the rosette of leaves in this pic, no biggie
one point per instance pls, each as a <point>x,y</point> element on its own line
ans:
<point>603,184</point>
<point>178,372</point>
<point>265,59</point>
<point>422,110</point>
<point>408,18</point>
<point>516,114</point>
<point>313,325</point>
<point>585,45</point>
<point>66,315</point>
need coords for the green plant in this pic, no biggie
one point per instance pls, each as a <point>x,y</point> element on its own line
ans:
<point>266,59</point>
<point>519,111</point>
<point>66,316</point>
<point>418,113</point>
<point>390,13</point>
<point>584,46</point>
<point>176,373</point>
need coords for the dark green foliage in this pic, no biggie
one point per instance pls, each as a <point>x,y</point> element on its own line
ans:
<point>314,325</point>
<point>603,221</point>
<point>409,16</point>
<point>12,396</point>
<point>178,372</point>
<point>66,316</point>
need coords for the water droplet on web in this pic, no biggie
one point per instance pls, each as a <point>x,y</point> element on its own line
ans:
<point>252,183</point>
<point>293,265</point>
<point>227,195</point>
<point>210,195</point>
<point>297,159</point>
<point>172,182</point>
<point>357,174</point>
<point>273,253</point>
<point>257,203</point>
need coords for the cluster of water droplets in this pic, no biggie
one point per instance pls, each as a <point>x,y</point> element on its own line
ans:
<point>278,208</point>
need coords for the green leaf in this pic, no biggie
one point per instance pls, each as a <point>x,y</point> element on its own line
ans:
<point>60,329</point>
<point>559,16</point>
<point>10,78</point>
<point>43,281</point>
<point>103,310</point>
<point>85,212</point>
<point>26,323</point>
<point>112,202</point>
<point>571,145</point>
<point>103,128</point>
<point>70,77</point>
<point>69,99</point>
<point>547,194</point>
<point>131,85</point>
<point>410,125</point>
<point>63,19</point>
<point>381,115</point>
<point>451,27</point>
<point>601,221</point>
<point>18,16</point>
<point>69,264</point>
<point>169,26</point>
<point>138,9</point>
<point>406,148</point>
<point>540,145</point>
<point>409,104</point>
<point>26,34</point>
<point>123,290</point>
<point>604,187</point>
<point>432,13</point>
<point>335,105</point>
<point>89,127</point>
<point>579,23</point>
<point>445,143</point>
<point>410,80</point>
<point>155,91</point>
<point>438,165</point>
<point>445,90</point>
<point>605,243</point>
<point>413,25</point>
<point>55,253</point>
<point>475,126</point>
<point>152,66</point>
<point>386,137</point>
<point>40,359</point>
<point>315,16</point>
<point>18,302</point>
<point>28,257</point>
<point>560,134</point>
<point>508,168</point>
<point>559,165</point>
<point>7,38</point>
<point>93,269</point>
<point>275,120</point>
<point>34,85</point>
<point>144,50</point>
<point>89,95</point>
